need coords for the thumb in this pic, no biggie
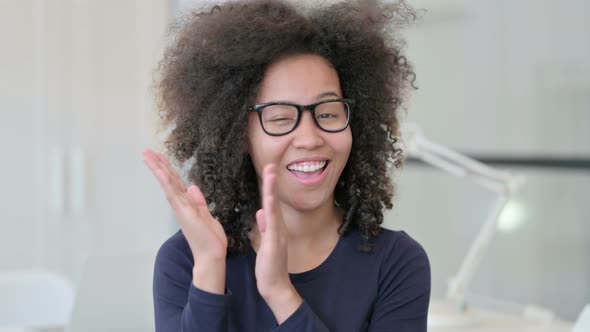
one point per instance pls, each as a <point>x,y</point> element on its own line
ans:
<point>260,220</point>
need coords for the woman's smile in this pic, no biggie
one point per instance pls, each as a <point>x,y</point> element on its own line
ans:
<point>309,172</point>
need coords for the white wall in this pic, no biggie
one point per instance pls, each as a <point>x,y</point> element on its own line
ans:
<point>75,82</point>
<point>505,76</point>
<point>17,203</point>
<point>512,78</point>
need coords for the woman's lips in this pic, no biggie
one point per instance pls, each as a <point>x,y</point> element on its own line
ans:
<point>307,175</point>
<point>310,178</point>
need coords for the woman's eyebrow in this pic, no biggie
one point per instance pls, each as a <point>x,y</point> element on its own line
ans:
<point>318,97</point>
<point>327,94</point>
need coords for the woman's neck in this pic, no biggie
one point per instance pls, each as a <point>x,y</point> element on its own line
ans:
<point>308,229</point>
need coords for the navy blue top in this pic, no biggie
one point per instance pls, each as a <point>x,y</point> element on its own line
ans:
<point>385,290</point>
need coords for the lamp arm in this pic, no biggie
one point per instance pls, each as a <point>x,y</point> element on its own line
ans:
<point>504,184</point>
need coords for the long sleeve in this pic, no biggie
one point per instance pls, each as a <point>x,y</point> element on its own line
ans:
<point>178,304</point>
<point>302,320</point>
<point>404,290</point>
<point>387,289</point>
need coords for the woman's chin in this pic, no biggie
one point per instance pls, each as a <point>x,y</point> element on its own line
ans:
<point>309,202</point>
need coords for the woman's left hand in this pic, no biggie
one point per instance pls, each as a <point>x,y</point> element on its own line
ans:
<point>272,275</point>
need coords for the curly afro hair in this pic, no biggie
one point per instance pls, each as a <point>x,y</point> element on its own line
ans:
<point>211,73</point>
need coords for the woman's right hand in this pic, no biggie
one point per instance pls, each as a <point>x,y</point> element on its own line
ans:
<point>204,234</point>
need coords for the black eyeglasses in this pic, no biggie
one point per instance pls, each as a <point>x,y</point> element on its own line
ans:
<point>280,118</point>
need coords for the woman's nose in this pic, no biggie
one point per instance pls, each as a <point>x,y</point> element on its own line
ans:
<point>307,133</point>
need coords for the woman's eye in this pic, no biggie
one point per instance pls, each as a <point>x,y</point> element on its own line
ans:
<point>328,115</point>
<point>281,120</point>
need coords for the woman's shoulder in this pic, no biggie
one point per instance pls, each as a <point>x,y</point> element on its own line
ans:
<point>397,240</point>
<point>387,241</point>
<point>392,250</point>
<point>401,277</point>
<point>175,250</point>
<point>402,256</point>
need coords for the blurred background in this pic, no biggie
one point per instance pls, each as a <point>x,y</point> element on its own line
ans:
<point>505,82</point>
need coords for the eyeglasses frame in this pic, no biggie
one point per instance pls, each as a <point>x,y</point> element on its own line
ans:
<point>300,108</point>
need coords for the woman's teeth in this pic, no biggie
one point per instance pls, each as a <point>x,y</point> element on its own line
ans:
<point>307,166</point>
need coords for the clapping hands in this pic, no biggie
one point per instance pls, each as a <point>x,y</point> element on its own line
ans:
<point>208,242</point>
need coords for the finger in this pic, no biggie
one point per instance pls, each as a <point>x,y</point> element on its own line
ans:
<point>260,221</point>
<point>155,163</point>
<point>163,158</point>
<point>187,215</point>
<point>187,205</point>
<point>172,195</point>
<point>150,160</point>
<point>171,169</point>
<point>152,163</point>
<point>269,202</point>
<point>167,184</point>
<point>268,184</point>
<point>199,200</point>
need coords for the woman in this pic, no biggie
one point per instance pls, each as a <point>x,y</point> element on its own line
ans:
<point>287,119</point>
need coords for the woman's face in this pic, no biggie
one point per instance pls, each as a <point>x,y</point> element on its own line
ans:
<point>303,80</point>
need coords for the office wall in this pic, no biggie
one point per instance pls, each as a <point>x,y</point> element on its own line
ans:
<point>510,79</point>
<point>77,111</point>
